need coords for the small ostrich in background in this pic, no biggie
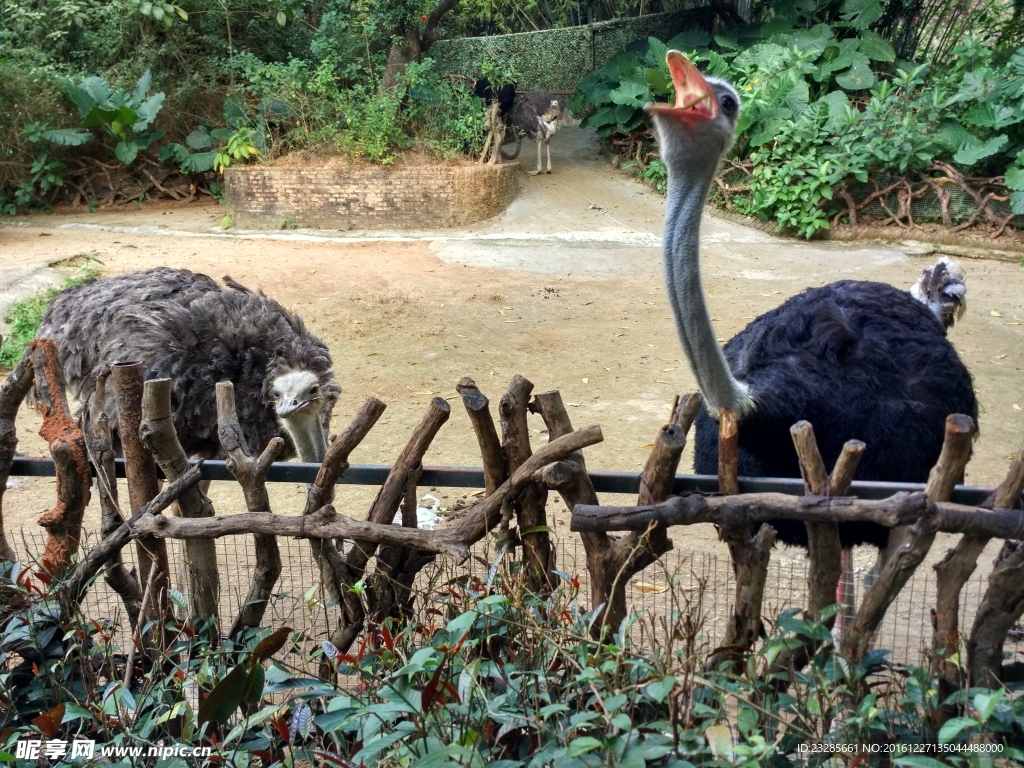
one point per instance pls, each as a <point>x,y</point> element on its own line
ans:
<point>506,95</point>
<point>537,114</point>
<point>186,327</point>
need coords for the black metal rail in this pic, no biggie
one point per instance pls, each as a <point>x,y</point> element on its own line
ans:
<point>473,477</point>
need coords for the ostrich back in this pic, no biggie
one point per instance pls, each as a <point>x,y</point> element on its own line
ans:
<point>536,112</point>
<point>859,360</point>
<point>185,326</point>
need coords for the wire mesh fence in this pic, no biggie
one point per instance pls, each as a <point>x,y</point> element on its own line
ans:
<point>692,578</point>
<point>557,59</point>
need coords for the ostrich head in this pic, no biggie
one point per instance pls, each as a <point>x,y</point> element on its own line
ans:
<point>694,133</point>
<point>297,396</point>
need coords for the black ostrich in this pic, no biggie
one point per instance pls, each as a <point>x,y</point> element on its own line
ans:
<point>536,114</point>
<point>506,95</point>
<point>185,326</point>
<point>859,360</point>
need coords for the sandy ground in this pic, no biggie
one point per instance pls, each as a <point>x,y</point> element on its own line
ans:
<point>564,288</point>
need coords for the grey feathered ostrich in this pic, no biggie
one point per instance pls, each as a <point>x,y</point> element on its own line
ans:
<point>185,326</point>
<point>859,360</point>
<point>537,113</point>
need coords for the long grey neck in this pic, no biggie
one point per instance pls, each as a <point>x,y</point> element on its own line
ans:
<point>687,192</point>
<point>307,435</point>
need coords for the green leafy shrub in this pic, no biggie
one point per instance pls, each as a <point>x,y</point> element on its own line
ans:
<point>125,117</point>
<point>24,317</point>
<point>825,106</point>
<point>447,117</point>
<point>495,676</point>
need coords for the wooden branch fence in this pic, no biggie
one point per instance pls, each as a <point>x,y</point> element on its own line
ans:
<point>517,480</point>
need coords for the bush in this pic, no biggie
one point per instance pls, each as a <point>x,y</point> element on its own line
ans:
<point>826,105</point>
<point>497,677</point>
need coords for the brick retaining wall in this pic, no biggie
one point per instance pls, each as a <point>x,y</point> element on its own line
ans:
<point>369,197</point>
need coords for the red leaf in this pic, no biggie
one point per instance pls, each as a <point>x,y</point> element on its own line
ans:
<point>49,722</point>
<point>431,688</point>
<point>389,641</point>
<point>451,689</point>
<point>281,726</point>
<point>271,644</point>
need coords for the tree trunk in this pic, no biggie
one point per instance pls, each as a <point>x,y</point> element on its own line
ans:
<point>410,44</point>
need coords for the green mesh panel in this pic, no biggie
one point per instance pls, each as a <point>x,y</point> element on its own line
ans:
<point>557,59</point>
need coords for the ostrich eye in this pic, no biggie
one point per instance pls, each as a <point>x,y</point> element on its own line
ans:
<point>314,389</point>
<point>728,104</point>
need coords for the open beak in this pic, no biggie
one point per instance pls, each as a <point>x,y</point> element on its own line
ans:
<point>286,408</point>
<point>694,98</point>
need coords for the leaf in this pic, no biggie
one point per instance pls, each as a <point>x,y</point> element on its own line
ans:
<point>631,94</point>
<point>954,727</point>
<point>432,687</point>
<point>199,138</point>
<point>986,703</point>
<point>1014,178</point>
<point>861,14</point>
<point>660,689</point>
<point>649,589</point>
<point>75,712</point>
<point>254,684</point>
<point>126,151</point>
<point>719,740</point>
<point>141,88</point>
<point>690,40</point>
<point>236,111</point>
<point>90,93</point>
<point>49,722</point>
<point>302,721</point>
<point>969,155</point>
<point>582,745</point>
<point>147,111</point>
<point>225,697</point>
<point>271,644</point>
<point>67,137</point>
<point>859,76</point>
<point>1017,203</point>
<point>876,47</point>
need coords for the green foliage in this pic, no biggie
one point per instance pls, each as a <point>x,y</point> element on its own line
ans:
<point>247,135</point>
<point>24,316</point>
<point>825,105</point>
<point>499,677</point>
<point>444,116</point>
<point>126,117</point>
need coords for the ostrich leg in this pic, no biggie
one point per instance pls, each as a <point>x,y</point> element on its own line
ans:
<point>547,143</point>
<point>540,159</point>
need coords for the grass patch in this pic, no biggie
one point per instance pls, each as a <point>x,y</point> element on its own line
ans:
<point>25,316</point>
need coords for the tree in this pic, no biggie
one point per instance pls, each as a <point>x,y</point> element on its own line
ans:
<point>411,35</point>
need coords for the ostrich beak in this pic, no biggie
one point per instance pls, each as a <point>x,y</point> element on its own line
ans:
<point>286,408</point>
<point>694,97</point>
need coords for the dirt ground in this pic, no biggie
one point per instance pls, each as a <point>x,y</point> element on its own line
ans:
<point>564,289</point>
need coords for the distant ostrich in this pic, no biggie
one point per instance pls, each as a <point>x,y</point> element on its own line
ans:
<point>537,113</point>
<point>857,359</point>
<point>506,95</point>
<point>185,326</point>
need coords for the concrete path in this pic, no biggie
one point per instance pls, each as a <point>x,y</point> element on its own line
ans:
<point>585,218</point>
